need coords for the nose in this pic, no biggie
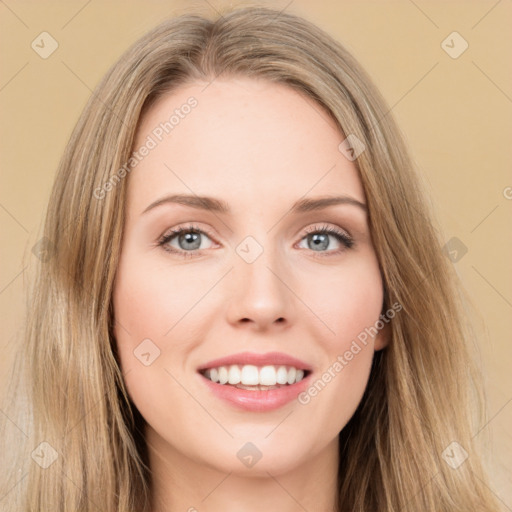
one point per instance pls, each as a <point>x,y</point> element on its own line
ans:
<point>260,296</point>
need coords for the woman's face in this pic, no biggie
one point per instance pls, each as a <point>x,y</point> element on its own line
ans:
<point>259,276</point>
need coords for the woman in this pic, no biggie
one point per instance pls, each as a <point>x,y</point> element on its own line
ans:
<point>307,351</point>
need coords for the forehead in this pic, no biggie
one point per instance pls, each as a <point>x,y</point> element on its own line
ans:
<point>250,142</point>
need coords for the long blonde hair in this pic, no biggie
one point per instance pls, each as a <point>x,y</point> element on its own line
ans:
<point>423,392</point>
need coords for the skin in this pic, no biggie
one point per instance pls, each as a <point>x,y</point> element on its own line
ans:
<point>260,147</point>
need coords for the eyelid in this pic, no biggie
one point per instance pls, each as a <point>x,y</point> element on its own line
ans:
<point>187,227</point>
<point>325,227</point>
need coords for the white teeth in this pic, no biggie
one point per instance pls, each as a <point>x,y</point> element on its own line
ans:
<point>234,374</point>
<point>223,375</point>
<point>282,375</point>
<point>268,376</point>
<point>251,375</point>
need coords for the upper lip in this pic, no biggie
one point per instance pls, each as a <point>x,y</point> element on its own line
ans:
<point>269,358</point>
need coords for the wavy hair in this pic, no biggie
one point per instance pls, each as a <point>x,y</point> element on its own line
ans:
<point>423,392</point>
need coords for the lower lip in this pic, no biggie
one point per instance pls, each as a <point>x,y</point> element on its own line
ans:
<point>257,401</point>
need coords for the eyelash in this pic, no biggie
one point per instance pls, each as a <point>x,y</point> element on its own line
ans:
<point>341,236</point>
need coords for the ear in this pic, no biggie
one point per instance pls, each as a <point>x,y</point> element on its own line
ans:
<point>383,337</point>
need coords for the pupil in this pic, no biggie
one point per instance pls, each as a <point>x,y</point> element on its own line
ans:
<point>320,240</point>
<point>192,238</point>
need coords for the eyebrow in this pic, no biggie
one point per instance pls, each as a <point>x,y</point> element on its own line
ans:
<point>220,206</point>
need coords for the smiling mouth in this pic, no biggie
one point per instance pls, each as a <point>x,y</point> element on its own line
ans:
<point>255,378</point>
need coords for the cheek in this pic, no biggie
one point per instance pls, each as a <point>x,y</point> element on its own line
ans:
<point>148,306</point>
<point>348,304</point>
<point>149,301</point>
<point>348,301</point>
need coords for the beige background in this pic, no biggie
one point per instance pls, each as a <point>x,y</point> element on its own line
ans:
<point>456,114</point>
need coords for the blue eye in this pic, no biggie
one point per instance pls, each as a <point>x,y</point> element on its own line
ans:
<point>318,239</point>
<point>189,240</point>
